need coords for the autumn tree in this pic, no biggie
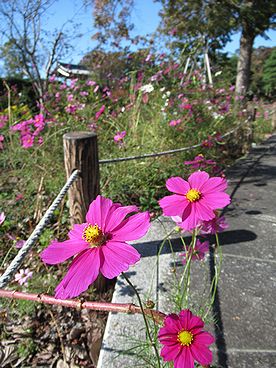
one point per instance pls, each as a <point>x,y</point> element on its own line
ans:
<point>215,22</point>
<point>27,48</point>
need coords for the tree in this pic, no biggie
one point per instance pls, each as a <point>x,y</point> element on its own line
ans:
<point>27,49</point>
<point>216,21</point>
<point>269,74</point>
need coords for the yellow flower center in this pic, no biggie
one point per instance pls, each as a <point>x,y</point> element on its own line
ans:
<point>93,235</point>
<point>193,195</point>
<point>185,338</point>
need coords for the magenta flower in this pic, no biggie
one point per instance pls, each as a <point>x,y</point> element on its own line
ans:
<point>184,341</point>
<point>3,120</point>
<point>174,122</point>
<point>2,138</point>
<point>100,112</point>
<point>198,253</point>
<point>99,245</point>
<point>118,138</point>
<point>199,162</point>
<point>215,225</point>
<point>23,276</point>
<point>196,199</point>
<point>2,217</point>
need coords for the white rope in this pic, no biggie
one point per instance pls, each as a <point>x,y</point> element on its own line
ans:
<point>17,261</point>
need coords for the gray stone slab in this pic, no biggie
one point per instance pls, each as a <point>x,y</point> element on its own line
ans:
<point>244,311</point>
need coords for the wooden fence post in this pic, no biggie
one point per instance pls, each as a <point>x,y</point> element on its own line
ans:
<point>81,152</point>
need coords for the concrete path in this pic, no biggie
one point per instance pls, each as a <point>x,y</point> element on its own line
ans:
<point>244,310</point>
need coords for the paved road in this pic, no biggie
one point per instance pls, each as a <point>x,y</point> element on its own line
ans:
<point>245,306</point>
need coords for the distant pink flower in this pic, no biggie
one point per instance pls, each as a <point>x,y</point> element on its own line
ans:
<point>196,199</point>
<point>40,140</point>
<point>99,245</point>
<point>3,120</point>
<point>23,276</point>
<point>118,138</point>
<point>19,243</point>
<point>198,253</point>
<point>184,341</point>
<point>84,93</point>
<point>174,122</point>
<point>2,217</point>
<point>186,106</point>
<point>100,112</point>
<point>199,162</point>
<point>71,109</point>
<point>216,225</point>
<point>27,140</point>
<point>70,97</point>
<point>232,88</point>
<point>90,83</point>
<point>207,143</point>
<point>19,197</point>
<point>63,86</point>
<point>52,78</point>
<point>2,138</point>
<point>96,89</point>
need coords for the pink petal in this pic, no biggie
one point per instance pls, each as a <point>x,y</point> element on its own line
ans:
<point>82,273</point>
<point>58,252</point>
<point>172,323</point>
<point>173,205</point>
<point>169,353</point>
<point>185,359</point>
<point>184,316</point>
<point>98,211</point>
<point>77,231</point>
<point>203,210</point>
<point>117,257</point>
<point>198,180</point>
<point>177,185</point>
<point>201,353</point>
<point>192,221</point>
<point>214,185</point>
<point>195,323</point>
<point>216,200</point>
<point>204,338</point>
<point>132,228</point>
<point>115,217</point>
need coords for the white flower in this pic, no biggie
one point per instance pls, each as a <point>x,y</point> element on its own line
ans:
<point>147,88</point>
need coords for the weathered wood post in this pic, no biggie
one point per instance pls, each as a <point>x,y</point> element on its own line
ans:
<point>81,152</point>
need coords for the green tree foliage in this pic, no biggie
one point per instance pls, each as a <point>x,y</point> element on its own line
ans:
<point>269,74</point>
<point>216,21</point>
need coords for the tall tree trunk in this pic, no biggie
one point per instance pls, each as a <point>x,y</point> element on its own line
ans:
<point>244,62</point>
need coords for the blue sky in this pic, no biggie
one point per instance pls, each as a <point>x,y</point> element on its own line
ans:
<point>145,17</point>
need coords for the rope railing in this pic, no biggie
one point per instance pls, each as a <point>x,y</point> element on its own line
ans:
<point>169,152</point>
<point>17,261</point>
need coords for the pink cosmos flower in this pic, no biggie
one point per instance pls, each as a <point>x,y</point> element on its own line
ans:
<point>100,112</point>
<point>23,276</point>
<point>184,341</point>
<point>2,217</point>
<point>27,140</point>
<point>198,252</point>
<point>118,138</point>
<point>2,138</point>
<point>174,122</point>
<point>99,245</point>
<point>3,120</point>
<point>196,199</point>
<point>199,162</point>
<point>216,225</point>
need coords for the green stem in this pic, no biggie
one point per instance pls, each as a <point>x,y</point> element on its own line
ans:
<point>187,273</point>
<point>217,266</point>
<point>145,319</point>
